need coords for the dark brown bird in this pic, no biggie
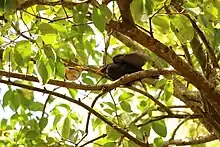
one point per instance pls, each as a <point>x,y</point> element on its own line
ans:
<point>125,64</point>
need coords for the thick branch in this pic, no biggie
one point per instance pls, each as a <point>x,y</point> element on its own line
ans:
<point>170,56</point>
<point>29,3</point>
<point>122,81</point>
<point>198,140</point>
<point>124,7</point>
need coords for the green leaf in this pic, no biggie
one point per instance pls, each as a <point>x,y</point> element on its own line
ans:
<point>36,106</point>
<point>8,5</point>
<point>134,129</point>
<point>125,106</point>
<point>161,83</point>
<point>96,123</point>
<point>162,23</point>
<point>49,38</point>
<point>182,28</point>
<point>43,123</point>
<point>31,134</point>
<point>158,142</point>
<point>210,8</point>
<point>216,41</point>
<point>30,67</point>
<point>72,92</point>
<point>16,100</point>
<point>56,120</point>
<point>3,123</point>
<point>22,52</point>
<point>79,13</point>
<point>86,79</point>
<point>41,144</point>
<point>60,69</point>
<point>49,52</point>
<point>110,144</point>
<point>110,104</point>
<point>160,128</point>
<point>132,144</point>
<point>46,28</point>
<point>14,120</point>
<point>106,13</point>
<point>98,19</point>
<point>149,6</point>
<point>65,52</point>
<point>2,6</point>
<point>125,96</point>
<point>112,134</point>
<point>66,128</point>
<point>73,116</point>
<point>109,111</point>
<point>168,90</point>
<point>7,98</point>
<point>66,106</point>
<point>143,103</point>
<point>18,59</point>
<point>146,129</point>
<point>44,69</point>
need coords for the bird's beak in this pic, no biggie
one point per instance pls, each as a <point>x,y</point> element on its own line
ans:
<point>102,69</point>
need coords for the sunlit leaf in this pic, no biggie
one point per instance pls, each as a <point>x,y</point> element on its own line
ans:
<point>125,96</point>
<point>182,28</point>
<point>22,53</point>
<point>56,120</point>
<point>96,123</point>
<point>162,23</point>
<point>66,128</point>
<point>98,19</point>
<point>72,92</point>
<point>30,67</point>
<point>158,142</point>
<point>168,90</point>
<point>3,123</point>
<point>49,38</point>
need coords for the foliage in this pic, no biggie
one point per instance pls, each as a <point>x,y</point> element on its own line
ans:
<point>40,40</point>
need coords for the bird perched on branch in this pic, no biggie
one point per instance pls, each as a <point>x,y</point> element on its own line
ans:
<point>125,64</point>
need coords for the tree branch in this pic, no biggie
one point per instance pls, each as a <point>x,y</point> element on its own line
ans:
<point>101,117</point>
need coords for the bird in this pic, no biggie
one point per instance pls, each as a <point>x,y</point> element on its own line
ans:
<point>125,64</point>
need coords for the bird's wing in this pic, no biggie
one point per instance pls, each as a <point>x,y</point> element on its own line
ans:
<point>135,59</point>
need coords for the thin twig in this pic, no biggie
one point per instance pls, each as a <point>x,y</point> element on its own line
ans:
<point>153,99</point>
<point>91,141</point>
